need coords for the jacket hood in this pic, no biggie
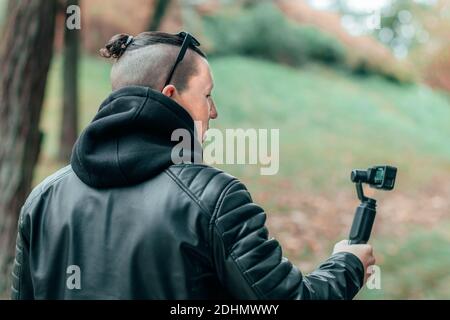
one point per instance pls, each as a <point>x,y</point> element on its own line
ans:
<point>129,140</point>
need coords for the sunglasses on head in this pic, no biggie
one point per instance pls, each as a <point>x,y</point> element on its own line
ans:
<point>189,41</point>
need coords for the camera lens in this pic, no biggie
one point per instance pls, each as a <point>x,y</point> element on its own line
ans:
<point>358,176</point>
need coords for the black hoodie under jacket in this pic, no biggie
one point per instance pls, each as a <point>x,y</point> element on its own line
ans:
<point>124,222</point>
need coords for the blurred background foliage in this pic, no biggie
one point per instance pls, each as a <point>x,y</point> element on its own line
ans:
<point>348,84</point>
<point>259,33</point>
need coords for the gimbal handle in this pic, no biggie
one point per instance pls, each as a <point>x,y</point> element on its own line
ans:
<point>364,218</point>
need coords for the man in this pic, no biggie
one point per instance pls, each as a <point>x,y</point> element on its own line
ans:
<point>124,222</point>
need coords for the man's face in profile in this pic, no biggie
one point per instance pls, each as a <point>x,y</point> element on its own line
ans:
<point>196,97</point>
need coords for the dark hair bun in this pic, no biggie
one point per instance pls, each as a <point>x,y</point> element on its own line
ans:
<point>116,46</point>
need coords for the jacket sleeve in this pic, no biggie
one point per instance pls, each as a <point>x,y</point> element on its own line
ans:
<point>22,287</point>
<point>251,266</point>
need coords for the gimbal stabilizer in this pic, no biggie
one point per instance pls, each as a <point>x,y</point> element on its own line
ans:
<point>379,177</point>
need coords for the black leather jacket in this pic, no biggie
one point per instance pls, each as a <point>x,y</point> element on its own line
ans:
<point>124,222</point>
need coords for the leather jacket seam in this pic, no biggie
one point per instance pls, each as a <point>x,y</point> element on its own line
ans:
<point>19,267</point>
<point>249,281</point>
<point>214,225</point>
<point>187,191</point>
<point>184,188</point>
<point>221,197</point>
<point>45,188</point>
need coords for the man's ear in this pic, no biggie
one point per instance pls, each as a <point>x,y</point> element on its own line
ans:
<point>169,90</point>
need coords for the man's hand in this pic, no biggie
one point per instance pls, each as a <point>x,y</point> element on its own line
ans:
<point>363,251</point>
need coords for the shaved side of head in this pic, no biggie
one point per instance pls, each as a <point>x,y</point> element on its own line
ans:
<point>147,59</point>
<point>150,66</point>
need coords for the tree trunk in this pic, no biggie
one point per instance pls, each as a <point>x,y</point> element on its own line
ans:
<point>25,54</point>
<point>158,14</point>
<point>69,121</point>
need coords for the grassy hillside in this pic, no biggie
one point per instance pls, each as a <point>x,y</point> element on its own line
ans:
<point>330,122</point>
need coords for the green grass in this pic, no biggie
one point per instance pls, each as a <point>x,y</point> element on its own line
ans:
<point>415,267</point>
<point>331,122</point>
